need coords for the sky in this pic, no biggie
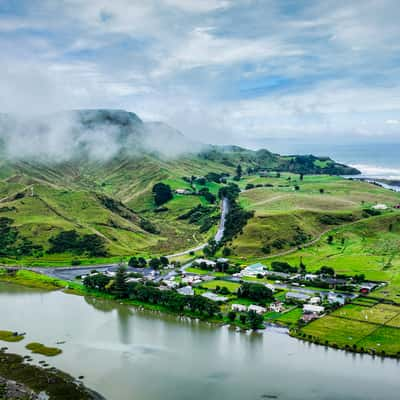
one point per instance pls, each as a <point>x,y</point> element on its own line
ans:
<point>223,71</point>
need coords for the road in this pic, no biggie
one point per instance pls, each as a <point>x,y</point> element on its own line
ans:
<point>218,236</point>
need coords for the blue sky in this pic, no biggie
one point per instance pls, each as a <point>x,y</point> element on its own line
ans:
<point>220,70</point>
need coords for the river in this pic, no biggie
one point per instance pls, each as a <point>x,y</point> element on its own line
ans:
<point>127,354</point>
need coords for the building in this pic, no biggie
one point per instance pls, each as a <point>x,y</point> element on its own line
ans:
<point>257,309</point>
<point>380,207</point>
<point>183,191</point>
<point>171,283</point>
<point>315,300</point>
<point>276,307</point>
<point>313,309</point>
<point>310,277</point>
<point>214,297</point>
<point>204,261</point>
<point>239,307</point>
<point>336,298</point>
<point>309,317</point>
<point>297,296</point>
<point>186,291</point>
<point>253,270</point>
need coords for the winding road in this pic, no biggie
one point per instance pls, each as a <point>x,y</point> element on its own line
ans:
<point>218,236</point>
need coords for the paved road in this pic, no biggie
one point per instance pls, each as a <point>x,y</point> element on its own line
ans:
<point>218,236</point>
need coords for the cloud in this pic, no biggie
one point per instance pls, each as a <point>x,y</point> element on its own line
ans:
<point>218,70</point>
<point>392,122</point>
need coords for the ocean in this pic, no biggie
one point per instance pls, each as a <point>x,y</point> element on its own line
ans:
<point>374,160</point>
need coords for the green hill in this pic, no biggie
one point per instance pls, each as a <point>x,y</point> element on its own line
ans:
<point>93,171</point>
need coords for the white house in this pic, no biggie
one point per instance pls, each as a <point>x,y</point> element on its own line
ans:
<point>186,291</point>
<point>313,309</point>
<point>207,262</point>
<point>276,307</point>
<point>310,277</point>
<point>254,270</point>
<point>297,296</point>
<point>335,298</point>
<point>183,191</point>
<point>315,300</point>
<point>239,307</point>
<point>214,297</point>
<point>257,309</point>
<point>380,207</point>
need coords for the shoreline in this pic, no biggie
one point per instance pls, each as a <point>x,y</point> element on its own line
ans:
<point>293,332</point>
<point>17,377</point>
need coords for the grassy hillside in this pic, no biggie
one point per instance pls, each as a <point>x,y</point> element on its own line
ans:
<point>103,186</point>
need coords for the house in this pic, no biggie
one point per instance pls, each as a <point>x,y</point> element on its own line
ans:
<point>309,317</point>
<point>254,270</point>
<point>183,191</point>
<point>310,277</point>
<point>380,207</point>
<point>171,284</point>
<point>186,291</point>
<point>258,309</point>
<point>269,286</point>
<point>214,297</point>
<point>276,307</point>
<point>315,300</point>
<point>297,296</point>
<point>313,309</point>
<point>335,298</point>
<point>223,260</point>
<point>204,261</point>
<point>239,307</point>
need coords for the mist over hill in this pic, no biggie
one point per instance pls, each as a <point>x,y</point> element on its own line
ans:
<point>102,135</point>
<point>98,135</point>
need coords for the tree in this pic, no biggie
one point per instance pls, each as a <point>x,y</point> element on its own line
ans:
<point>301,177</point>
<point>226,251</point>
<point>255,291</point>
<point>120,284</point>
<point>162,193</point>
<point>142,262</point>
<point>231,316</point>
<point>211,248</point>
<point>322,191</point>
<point>133,262</point>
<point>329,240</point>
<point>297,187</point>
<point>326,271</point>
<point>164,261</point>
<point>97,281</point>
<point>243,318</point>
<point>239,171</point>
<point>302,267</point>
<point>155,263</point>
<point>255,320</point>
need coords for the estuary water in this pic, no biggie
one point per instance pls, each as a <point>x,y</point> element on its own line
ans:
<point>127,354</point>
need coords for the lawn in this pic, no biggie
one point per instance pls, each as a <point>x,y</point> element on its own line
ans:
<point>375,328</point>
<point>231,286</point>
<point>338,331</point>
<point>290,318</point>
<point>379,314</point>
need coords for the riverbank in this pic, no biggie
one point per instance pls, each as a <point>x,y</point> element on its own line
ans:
<point>19,379</point>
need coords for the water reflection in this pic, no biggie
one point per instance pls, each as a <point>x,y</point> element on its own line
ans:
<point>128,353</point>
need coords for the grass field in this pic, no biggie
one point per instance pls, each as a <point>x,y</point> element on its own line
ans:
<point>231,286</point>
<point>286,218</point>
<point>361,328</point>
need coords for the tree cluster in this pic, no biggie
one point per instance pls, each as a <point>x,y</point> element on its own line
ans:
<point>73,242</point>
<point>256,292</point>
